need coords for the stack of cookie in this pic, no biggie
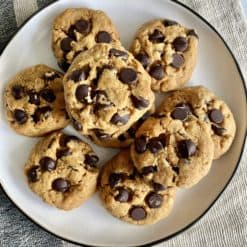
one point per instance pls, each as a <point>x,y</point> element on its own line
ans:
<point>107,93</point>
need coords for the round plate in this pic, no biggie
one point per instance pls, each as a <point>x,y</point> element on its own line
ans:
<point>91,224</point>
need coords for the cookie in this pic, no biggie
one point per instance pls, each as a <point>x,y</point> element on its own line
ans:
<point>202,103</point>
<point>173,152</point>
<point>62,170</point>
<point>168,51</point>
<point>79,29</point>
<point>35,101</point>
<point>106,91</point>
<point>128,197</point>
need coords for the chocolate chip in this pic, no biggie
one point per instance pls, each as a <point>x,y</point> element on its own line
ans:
<point>158,187</point>
<point>186,148</point>
<point>154,200</point>
<point>82,93</point>
<point>148,169</point>
<point>168,23</point>
<point>218,130</point>
<point>181,112</point>
<point>62,152</point>
<point>118,53</point>
<point>71,32</point>
<point>139,103</point>
<point>91,159</point>
<point>154,145</point>
<point>137,213</point>
<point>17,91</point>
<point>47,164</point>
<point>39,112</point>
<point>162,139</point>
<point>66,44</point>
<point>63,65</point>
<point>33,98</point>
<point>65,139</point>
<point>123,195</point>
<point>122,138</point>
<point>61,185</point>
<point>20,116</point>
<point>177,60</point>
<point>115,178</point>
<point>128,76</point>
<point>48,95</point>
<point>103,37</point>
<point>175,169</point>
<point>80,74</point>
<point>131,131</point>
<point>77,125</point>
<point>193,33</point>
<point>180,44</point>
<point>157,71</point>
<point>120,120</point>
<point>216,116</point>
<point>157,36</point>
<point>101,135</point>
<point>83,26</point>
<point>141,144</point>
<point>32,174</point>
<point>143,59</point>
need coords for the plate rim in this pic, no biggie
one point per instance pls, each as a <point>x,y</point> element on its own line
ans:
<point>217,197</point>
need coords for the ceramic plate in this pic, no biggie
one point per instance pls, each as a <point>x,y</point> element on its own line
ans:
<point>91,224</point>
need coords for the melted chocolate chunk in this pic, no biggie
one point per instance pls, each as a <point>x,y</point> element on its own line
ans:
<point>154,200</point>
<point>186,148</point>
<point>61,185</point>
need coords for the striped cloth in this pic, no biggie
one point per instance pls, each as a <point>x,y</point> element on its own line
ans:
<point>226,223</point>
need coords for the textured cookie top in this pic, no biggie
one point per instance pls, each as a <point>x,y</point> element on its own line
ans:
<point>62,170</point>
<point>127,196</point>
<point>79,29</point>
<point>173,152</point>
<point>203,104</point>
<point>167,50</point>
<point>106,91</point>
<point>35,101</point>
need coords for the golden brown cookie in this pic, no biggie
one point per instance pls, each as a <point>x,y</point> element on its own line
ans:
<point>106,91</point>
<point>168,51</point>
<point>62,170</point>
<point>79,29</point>
<point>173,152</point>
<point>204,104</point>
<point>128,197</point>
<point>35,101</point>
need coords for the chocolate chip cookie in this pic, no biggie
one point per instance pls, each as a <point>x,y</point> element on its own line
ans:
<point>167,50</point>
<point>35,101</point>
<point>172,152</point>
<point>127,196</point>
<point>106,91</point>
<point>79,29</point>
<point>202,103</point>
<point>62,170</point>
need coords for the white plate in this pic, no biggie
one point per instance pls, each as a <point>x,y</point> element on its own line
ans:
<point>91,224</point>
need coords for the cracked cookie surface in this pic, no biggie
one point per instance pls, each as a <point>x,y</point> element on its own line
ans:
<point>167,50</point>
<point>35,101</point>
<point>127,196</point>
<point>206,106</point>
<point>106,91</point>
<point>62,170</point>
<point>173,152</point>
<point>79,29</point>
